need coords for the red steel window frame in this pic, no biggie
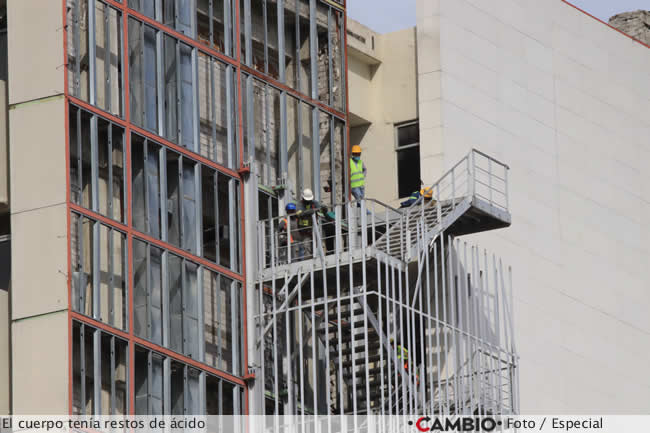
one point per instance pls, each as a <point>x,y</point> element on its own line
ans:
<point>128,228</point>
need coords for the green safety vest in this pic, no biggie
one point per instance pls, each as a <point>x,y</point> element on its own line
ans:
<point>402,353</point>
<point>357,179</point>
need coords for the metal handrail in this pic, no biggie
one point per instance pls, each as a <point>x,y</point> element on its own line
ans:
<point>451,189</point>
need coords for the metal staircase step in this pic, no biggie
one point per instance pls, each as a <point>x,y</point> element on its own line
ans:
<point>371,358</point>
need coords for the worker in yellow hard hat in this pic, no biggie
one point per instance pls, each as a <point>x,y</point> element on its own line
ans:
<point>424,193</point>
<point>358,173</point>
<point>427,193</point>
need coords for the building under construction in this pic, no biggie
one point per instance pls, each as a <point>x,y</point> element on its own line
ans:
<point>153,146</point>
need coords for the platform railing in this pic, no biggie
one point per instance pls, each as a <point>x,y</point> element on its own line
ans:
<point>353,225</point>
<point>316,233</point>
<point>475,175</point>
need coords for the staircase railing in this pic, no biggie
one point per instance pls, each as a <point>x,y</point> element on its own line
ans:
<point>339,228</point>
<point>476,175</point>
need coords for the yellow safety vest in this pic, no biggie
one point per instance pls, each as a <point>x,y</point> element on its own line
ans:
<point>357,179</point>
<point>402,352</point>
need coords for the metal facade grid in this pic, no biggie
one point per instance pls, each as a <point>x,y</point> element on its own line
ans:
<point>128,229</point>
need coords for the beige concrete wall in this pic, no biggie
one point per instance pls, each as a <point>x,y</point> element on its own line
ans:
<point>39,262</point>
<point>564,100</point>
<point>37,154</point>
<point>381,96</point>
<point>4,353</point>
<point>38,211</point>
<point>35,49</point>
<point>4,147</point>
<point>40,360</point>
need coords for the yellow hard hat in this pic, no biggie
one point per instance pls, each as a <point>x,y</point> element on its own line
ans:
<point>426,192</point>
<point>356,149</point>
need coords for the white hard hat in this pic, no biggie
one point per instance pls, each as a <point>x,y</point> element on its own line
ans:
<point>307,194</point>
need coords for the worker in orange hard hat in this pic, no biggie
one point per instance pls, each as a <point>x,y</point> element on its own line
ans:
<point>358,173</point>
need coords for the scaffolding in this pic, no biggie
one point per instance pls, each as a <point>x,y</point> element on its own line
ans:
<point>371,310</point>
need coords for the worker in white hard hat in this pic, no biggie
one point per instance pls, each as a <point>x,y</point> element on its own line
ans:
<point>306,209</point>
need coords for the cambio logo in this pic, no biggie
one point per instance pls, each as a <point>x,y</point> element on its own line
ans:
<point>460,424</point>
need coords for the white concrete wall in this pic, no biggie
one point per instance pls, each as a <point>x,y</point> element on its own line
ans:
<point>564,100</point>
<point>429,88</point>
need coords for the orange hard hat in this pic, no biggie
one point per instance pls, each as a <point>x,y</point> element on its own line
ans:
<point>356,149</point>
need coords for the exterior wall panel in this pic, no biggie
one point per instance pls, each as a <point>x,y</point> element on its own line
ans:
<point>39,74</point>
<point>39,286</point>
<point>6,354</point>
<point>568,114</point>
<point>37,390</point>
<point>37,154</point>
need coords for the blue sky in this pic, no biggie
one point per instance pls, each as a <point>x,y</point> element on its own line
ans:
<point>386,16</point>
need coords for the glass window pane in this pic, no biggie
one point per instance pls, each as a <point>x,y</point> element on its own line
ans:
<point>192,401</point>
<point>173,199</point>
<point>191,313</point>
<point>136,84</point>
<point>224,221</point>
<point>209,225</point>
<point>156,384</point>
<point>137,182</point>
<point>104,34</point>
<point>189,207</point>
<point>177,383</point>
<point>152,192</point>
<point>408,170</point>
<point>184,23</point>
<point>409,134</point>
<point>141,381</point>
<point>211,314</point>
<point>212,398</point>
<point>175,304</point>
<point>119,304</point>
<point>86,161</point>
<point>108,59</point>
<point>105,283</point>
<point>140,288</point>
<point>121,374</point>
<point>155,294</point>
<point>150,80</point>
<point>78,73</point>
<point>187,97</point>
<point>170,73</point>
<point>117,199</point>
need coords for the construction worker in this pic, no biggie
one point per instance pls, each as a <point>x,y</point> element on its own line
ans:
<point>425,193</point>
<point>358,173</point>
<point>289,226</point>
<point>403,355</point>
<point>308,207</point>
